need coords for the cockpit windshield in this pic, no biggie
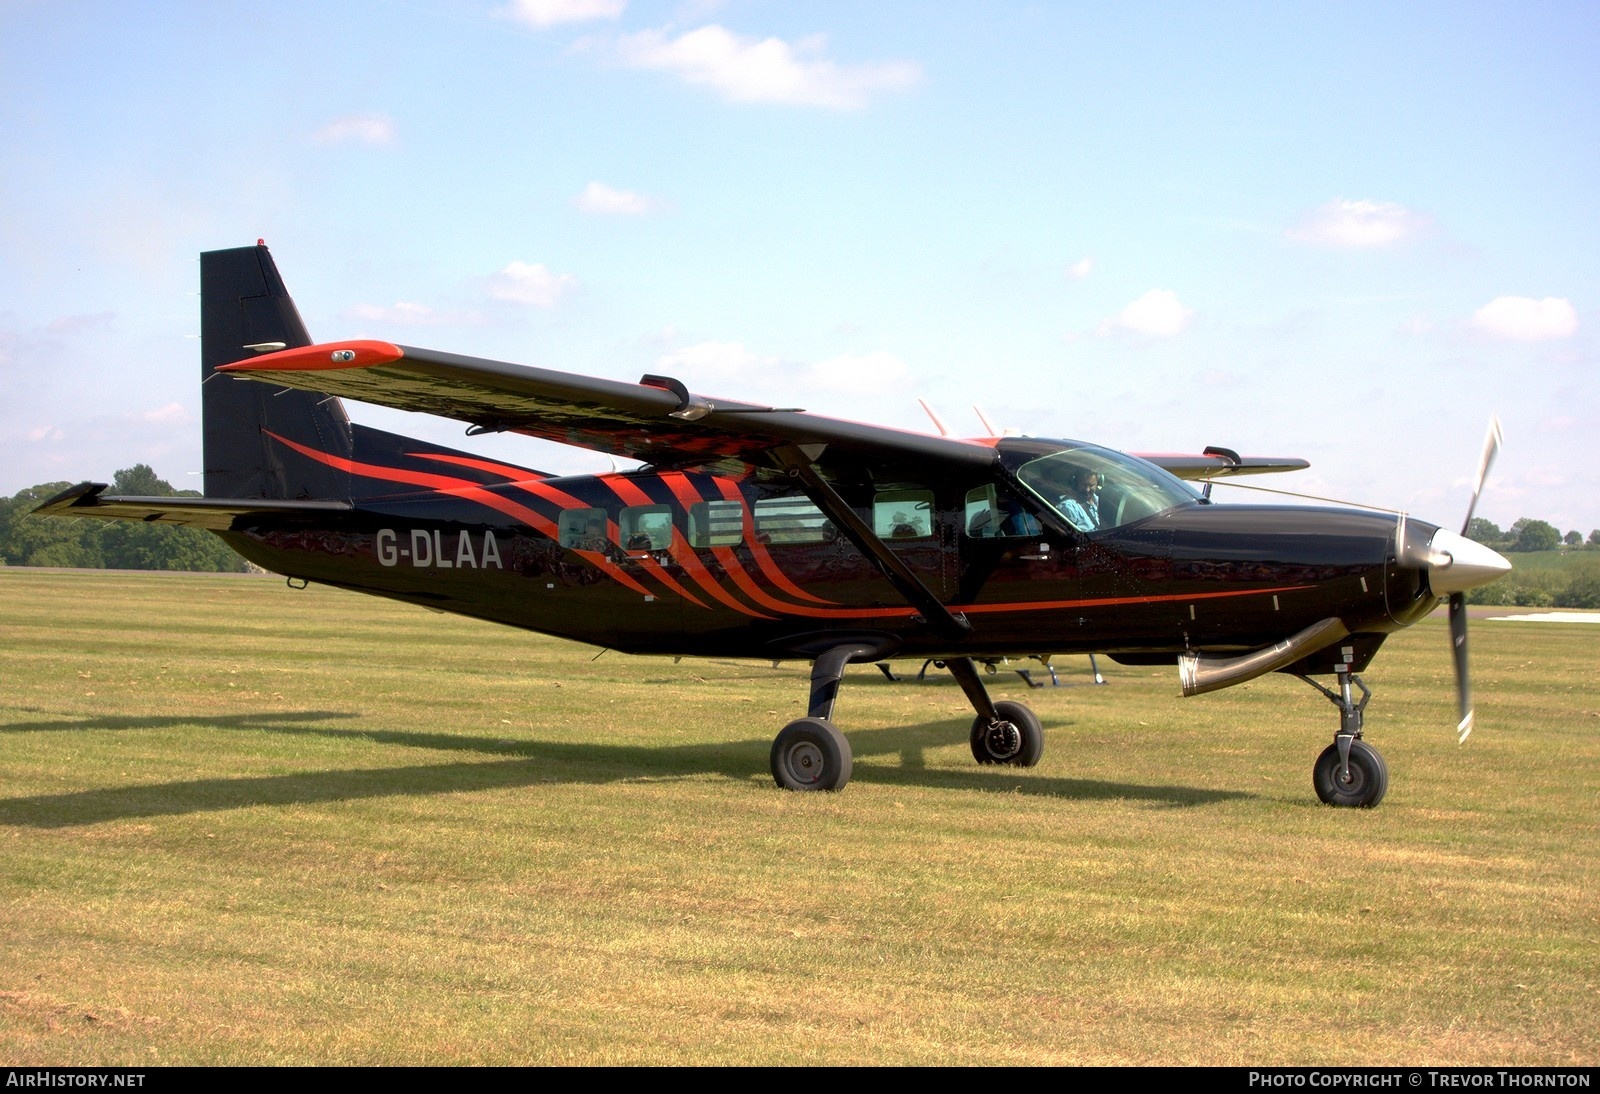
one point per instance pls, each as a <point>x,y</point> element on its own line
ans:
<point>1095,488</point>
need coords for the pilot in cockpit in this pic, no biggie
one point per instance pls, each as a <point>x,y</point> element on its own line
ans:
<point>1081,503</point>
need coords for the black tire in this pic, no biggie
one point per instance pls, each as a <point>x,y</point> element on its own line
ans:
<point>1015,738</point>
<point>811,754</point>
<point>1368,781</point>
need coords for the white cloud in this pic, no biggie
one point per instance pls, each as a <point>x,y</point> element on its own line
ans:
<point>1352,225</point>
<point>732,363</point>
<point>404,313</point>
<point>357,129</point>
<point>716,360</point>
<point>547,13</point>
<point>1158,313</point>
<point>1080,269</point>
<point>532,284</point>
<point>605,200</point>
<point>46,433</point>
<point>1526,319</point>
<point>768,70</point>
<point>875,373</point>
<point>172,412</point>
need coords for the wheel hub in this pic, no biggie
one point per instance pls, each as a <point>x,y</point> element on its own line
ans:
<point>805,762</point>
<point>1003,740</point>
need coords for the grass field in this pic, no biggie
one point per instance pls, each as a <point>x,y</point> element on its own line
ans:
<point>1569,559</point>
<point>241,824</point>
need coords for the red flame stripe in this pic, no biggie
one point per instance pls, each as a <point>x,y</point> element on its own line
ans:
<point>758,550</point>
<point>511,472</point>
<point>460,488</point>
<point>630,493</point>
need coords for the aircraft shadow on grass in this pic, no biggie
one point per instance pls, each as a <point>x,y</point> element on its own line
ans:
<point>525,764</point>
<point>262,720</point>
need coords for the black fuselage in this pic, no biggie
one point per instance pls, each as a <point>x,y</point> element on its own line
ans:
<point>701,564</point>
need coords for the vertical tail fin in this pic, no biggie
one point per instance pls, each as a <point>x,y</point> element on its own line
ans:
<point>243,304</point>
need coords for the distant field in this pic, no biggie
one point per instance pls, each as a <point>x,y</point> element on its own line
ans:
<point>1553,560</point>
<point>242,824</point>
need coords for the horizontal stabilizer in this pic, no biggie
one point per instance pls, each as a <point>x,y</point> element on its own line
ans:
<point>87,499</point>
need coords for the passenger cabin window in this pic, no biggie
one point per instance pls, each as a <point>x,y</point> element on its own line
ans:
<point>903,514</point>
<point>582,529</point>
<point>716,524</point>
<point>790,520</point>
<point>992,516</point>
<point>646,527</point>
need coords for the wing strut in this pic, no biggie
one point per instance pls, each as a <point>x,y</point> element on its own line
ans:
<point>796,462</point>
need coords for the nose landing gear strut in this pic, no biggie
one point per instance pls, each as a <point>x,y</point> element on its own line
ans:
<point>1350,772</point>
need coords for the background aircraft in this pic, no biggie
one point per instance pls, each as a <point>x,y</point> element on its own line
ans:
<point>765,532</point>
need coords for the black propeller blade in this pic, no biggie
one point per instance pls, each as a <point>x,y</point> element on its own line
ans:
<point>1491,449</point>
<point>1458,600</point>
<point>1458,644</point>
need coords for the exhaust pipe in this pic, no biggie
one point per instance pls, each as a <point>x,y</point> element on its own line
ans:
<point>1201,673</point>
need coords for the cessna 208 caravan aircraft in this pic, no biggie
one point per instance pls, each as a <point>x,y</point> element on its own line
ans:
<point>762,532</point>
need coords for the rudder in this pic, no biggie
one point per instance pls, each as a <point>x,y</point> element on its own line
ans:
<point>243,303</point>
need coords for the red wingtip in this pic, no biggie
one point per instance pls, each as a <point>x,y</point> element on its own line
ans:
<point>329,355</point>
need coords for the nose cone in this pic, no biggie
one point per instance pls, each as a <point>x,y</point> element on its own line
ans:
<point>1456,563</point>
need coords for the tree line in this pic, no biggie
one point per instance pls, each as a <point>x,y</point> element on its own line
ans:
<point>1528,535</point>
<point>28,540</point>
<point>1573,583</point>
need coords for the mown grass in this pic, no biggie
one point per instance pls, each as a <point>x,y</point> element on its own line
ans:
<point>1567,558</point>
<point>244,825</point>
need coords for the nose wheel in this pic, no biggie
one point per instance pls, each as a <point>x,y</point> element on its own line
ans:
<point>1358,781</point>
<point>1350,772</point>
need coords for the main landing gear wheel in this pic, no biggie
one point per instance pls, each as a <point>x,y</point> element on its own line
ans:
<point>1014,737</point>
<point>811,754</point>
<point>1363,786</point>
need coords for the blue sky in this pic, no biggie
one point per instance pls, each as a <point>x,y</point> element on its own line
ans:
<point>1347,232</point>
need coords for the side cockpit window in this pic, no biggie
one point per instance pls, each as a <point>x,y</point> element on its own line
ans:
<point>991,515</point>
<point>1094,489</point>
<point>903,514</point>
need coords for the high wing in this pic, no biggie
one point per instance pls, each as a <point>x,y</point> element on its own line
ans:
<point>87,499</point>
<point>656,420</point>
